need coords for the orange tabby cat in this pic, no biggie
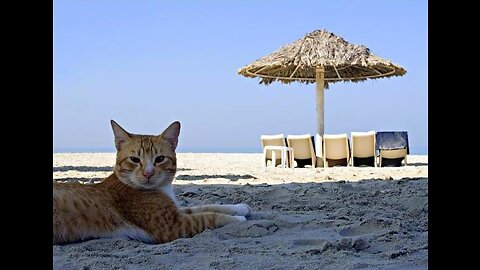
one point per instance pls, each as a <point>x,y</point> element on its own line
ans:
<point>137,200</point>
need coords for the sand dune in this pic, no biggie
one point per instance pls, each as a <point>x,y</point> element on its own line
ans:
<point>335,218</point>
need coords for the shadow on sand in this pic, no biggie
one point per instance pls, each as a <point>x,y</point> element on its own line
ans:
<point>83,169</point>
<point>92,169</point>
<point>231,177</point>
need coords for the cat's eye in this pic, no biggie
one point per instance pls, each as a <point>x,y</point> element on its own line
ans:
<point>135,159</point>
<point>159,159</point>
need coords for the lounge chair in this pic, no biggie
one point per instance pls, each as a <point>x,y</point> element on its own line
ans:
<point>304,153</point>
<point>275,149</point>
<point>392,147</point>
<point>363,149</point>
<point>336,150</point>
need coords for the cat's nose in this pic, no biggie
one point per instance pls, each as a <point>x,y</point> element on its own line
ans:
<point>148,174</point>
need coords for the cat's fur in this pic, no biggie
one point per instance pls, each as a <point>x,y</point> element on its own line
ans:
<point>137,200</point>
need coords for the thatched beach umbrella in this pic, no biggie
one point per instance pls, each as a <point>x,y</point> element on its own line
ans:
<point>324,58</point>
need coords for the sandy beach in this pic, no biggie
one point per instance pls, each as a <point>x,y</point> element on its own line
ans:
<point>302,218</point>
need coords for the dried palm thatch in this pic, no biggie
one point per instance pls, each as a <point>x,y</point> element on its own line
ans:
<point>339,60</point>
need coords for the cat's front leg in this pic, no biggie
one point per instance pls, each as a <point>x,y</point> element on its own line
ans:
<point>192,224</point>
<point>240,209</point>
<point>165,228</point>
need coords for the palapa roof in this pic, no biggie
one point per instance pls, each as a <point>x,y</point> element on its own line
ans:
<point>341,60</point>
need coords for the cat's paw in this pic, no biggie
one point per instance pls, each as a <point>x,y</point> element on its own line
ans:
<point>240,218</point>
<point>241,209</point>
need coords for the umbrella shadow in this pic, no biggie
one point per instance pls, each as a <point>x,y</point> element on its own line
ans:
<point>78,179</point>
<point>231,177</point>
<point>92,169</point>
<point>417,164</point>
<point>83,169</point>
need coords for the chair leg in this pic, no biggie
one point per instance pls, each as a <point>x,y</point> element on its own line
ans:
<point>348,152</point>
<point>405,159</point>
<point>325,163</point>
<point>291,158</point>
<point>287,156</point>
<point>286,160</point>
<point>264,163</point>
<point>274,159</point>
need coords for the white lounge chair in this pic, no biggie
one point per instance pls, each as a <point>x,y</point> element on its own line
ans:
<point>363,146</point>
<point>335,148</point>
<point>303,149</point>
<point>275,149</point>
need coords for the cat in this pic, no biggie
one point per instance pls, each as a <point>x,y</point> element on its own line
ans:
<point>136,201</point>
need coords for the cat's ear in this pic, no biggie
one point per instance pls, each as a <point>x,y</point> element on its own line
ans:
<point>121,135</point>
<point>171,134</point>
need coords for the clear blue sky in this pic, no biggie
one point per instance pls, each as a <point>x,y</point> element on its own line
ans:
<point>146,64</point>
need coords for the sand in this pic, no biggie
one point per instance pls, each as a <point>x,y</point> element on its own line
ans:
<point>303,218</point>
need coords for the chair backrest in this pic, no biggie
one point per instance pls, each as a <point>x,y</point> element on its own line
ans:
<point>302,146</point>
<point>363,144</point>
<point>275,140</point>
<point>335,146</point>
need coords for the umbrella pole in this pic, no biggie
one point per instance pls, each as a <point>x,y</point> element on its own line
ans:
<point>320,101</point>
<point>319,75</point>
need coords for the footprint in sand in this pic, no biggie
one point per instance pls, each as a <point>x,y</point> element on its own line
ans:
<point>309,242</point>
<point>369,226</point>
<point>252,229</point>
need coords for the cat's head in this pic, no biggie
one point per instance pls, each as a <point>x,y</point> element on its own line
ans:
<point>146,161</point>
